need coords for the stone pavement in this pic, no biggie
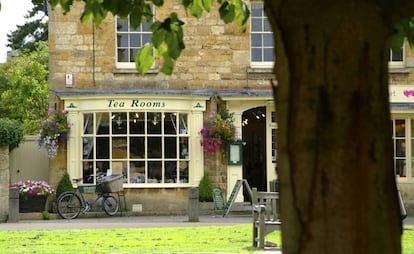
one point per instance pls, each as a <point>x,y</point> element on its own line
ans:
<point>125,222</point>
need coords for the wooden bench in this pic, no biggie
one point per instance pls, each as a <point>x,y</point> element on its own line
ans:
<point>265,215</point>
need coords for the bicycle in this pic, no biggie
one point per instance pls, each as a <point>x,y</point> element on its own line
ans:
<point>71,203</point>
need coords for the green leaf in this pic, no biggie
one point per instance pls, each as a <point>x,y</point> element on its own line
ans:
<point>135,17</point>
<point>144,59</point>
<point>196,8</point>
<point>227,12</point>
<point>168,65</point>
<point>94,9</point>
<point>208,4</point>
<point>158,2</point>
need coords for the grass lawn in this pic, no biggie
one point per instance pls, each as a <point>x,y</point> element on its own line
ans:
<point>227,239</point>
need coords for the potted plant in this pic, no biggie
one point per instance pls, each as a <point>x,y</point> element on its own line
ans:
<point>218,130</point>
<point>33,195</point>
<point>53,130</point>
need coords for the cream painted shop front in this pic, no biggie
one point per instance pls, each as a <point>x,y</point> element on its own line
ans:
<point>153,139</point>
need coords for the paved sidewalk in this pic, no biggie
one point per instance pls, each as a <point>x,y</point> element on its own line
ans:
<point>125,222</point>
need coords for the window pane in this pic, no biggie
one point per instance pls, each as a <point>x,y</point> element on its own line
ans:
<point>119,123</point>
<point>137,171</point>
<point>119,147</point>
<point>183,171</point>
<point>400,149</point>
<point>146,38</point>
<point>170,172</point>
<point>102,123</point>
<point>267,27</point>
<point>132,54</point>
<point>400,168</point>
<point>122,55</point>
<point>256,40</point>
<point>256,25</point>
<point>87,147</point>
<point>268,40</point>
<point>400,128</point>
<point>154,147</point>
<point>256,9</point>
<point>102,147</point>
<point>154,171</point>
<point>170,123</point>
<point>256,55</point>
<point>184,148</point>
<point>119,167</point>
<point>268,55</point>
<point>101,168</point>
<point>137,147</point>
<point>170,147</point>
<point>153,123</point>
<point>183,124</point>
<point>135,40</point>
<point>88,124</point>
<point>87,171</point>
<point>122,25</point>
<point>136,123</point>
<point>123,40</point>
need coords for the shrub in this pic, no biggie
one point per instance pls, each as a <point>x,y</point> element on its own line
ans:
<point>11,133</point>
<point>65,184</point>
<point>205,189</point>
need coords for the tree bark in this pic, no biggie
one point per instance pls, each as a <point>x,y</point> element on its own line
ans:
<point>337,185</point>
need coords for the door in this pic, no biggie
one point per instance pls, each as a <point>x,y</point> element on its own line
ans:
<point>254,149</point>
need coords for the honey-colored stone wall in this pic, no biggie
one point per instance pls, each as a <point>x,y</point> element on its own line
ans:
<point>216,55</point>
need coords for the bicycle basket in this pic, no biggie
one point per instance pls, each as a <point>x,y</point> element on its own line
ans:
<point>87,188</point>
<point>112,183</point>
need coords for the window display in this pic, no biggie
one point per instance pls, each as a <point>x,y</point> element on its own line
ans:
<point>146,147</point>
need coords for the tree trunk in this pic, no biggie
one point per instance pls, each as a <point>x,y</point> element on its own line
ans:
<point>338,191</point>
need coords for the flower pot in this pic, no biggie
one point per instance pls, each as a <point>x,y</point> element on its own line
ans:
<point>30,204</point>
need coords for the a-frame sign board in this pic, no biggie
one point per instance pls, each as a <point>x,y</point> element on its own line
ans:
<point>234,193</point>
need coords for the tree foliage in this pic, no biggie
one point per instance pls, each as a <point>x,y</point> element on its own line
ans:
<point>35,29</point>
<point>167,35</point>
<point>24,88</point>
<point>11,133</point>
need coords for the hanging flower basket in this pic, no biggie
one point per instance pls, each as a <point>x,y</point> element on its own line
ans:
<point>53,131</point>
<point>219,130</point>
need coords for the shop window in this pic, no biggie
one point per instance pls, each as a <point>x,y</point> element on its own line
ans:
<point>130,40</point>
<point>403,141</point>
<point>261,38</point>
<point>145,147</point>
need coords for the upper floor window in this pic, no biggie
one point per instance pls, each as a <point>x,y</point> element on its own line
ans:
<point>261,38</point>
<point>130,40</point>
<point>396,57</point>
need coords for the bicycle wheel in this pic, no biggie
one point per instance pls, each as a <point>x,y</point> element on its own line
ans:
<point>69,205</point>
<point>110,205</point>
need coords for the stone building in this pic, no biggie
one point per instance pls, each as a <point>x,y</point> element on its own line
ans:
<point>147,127</point>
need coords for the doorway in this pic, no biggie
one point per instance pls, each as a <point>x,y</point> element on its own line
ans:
<point>254,149</point>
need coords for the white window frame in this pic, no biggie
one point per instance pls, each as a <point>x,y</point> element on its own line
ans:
<point>259,64</point>
<point>139,31</point>
<point>409,142</point>
<point>397,63</point>
<point>182,133</point>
